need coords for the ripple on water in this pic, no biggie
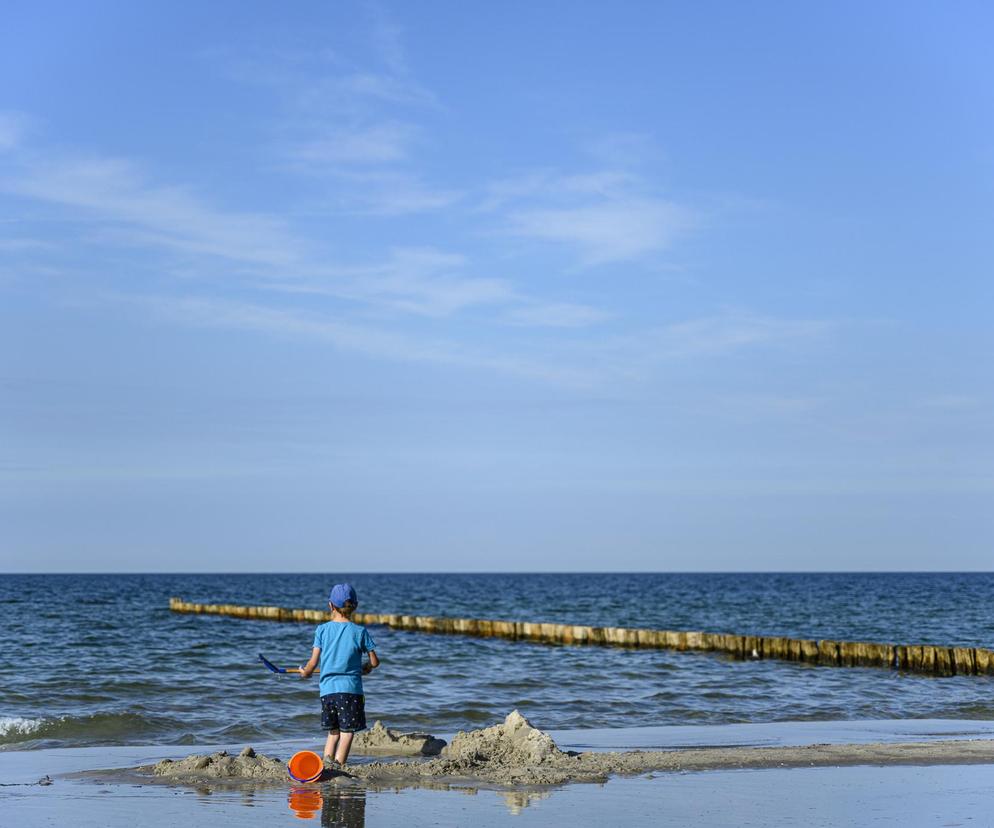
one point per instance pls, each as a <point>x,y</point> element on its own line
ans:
<point>200,676</point>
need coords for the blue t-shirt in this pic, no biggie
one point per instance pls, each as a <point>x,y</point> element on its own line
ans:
<point>342,645</point>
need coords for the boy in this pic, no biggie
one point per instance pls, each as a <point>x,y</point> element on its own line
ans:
<point>338,648</point>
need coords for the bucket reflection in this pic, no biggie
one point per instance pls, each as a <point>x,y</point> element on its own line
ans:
<point>337,810</point>
<point>305,802</point>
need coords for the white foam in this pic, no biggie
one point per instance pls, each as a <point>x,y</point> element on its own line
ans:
<point>18,726</point>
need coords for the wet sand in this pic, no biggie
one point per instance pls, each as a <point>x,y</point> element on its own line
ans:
<point>516,753</point>
<point>897,782</point>
<point>903,796</point>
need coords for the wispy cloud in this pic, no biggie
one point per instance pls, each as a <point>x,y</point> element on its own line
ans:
<point>353,125</point>
<point>349,336</point>
<point>553,186</point>
<point>555,315</point>
<point>430,282</point>
<point>114,190</point>
<point>393,192</point>
<point>383,143</point>
<point>640,354</point>
<point>951,402</point>
<point>350,93</point>
<point>18,244</point>
<point>726,332</point>
<point>604,215</point>
<point>586,364</point>
<point>420,281</point>
<point>612,230</point>
<point>126,207</point>
<point>624,150</point>
<point>356,130</point>
<point>13,125</point>
<point>388,39</point>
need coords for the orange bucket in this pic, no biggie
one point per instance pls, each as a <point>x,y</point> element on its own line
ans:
<point>305,766</point>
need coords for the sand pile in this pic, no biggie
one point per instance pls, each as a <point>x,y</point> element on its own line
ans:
<point>221,765</point>
<point>516,753</point>
<point>380,740</point>
<point>513,752</point>
<point>513,741</point>
<point>510,752</point>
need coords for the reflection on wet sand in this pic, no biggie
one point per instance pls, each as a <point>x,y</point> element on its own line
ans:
<point>305,802</point>
<point>517,801</point>
<point>337,809</point>
<point>347,809</point>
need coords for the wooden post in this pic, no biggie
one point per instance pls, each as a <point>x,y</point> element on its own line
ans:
<point>918,658</point>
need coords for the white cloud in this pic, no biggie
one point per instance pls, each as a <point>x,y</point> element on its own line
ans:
<point>552,186</point>
<point>639,355</point>
<point>388,39</point>
<point>555,315</point>
<point>381,192</point>
<point>580,364</point>
<point>420,281</point>
<point>355,91</point>
<point>625,150</point>
<point>364,339</point>
<point>424,281</point>
<point>724,333</point>
<point>14,245</point>
<point>12,128</point>
<point>951,402</point>
<point>115,190</point>
<point>128,210</point>
<point>427,281</point>
<point>607,231</point>
<point>378,144</point>
<point>605,215</point>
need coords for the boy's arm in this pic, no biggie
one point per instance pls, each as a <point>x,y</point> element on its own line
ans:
<point>311,666</point>
<point>374,661</point>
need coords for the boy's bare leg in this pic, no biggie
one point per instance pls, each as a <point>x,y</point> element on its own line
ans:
<point>344,746</point>
<point>330,742</point>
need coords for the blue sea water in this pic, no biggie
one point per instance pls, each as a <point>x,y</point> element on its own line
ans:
<point>100,659</point>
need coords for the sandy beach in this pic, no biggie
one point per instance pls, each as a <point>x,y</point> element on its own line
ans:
<point>880,773</point>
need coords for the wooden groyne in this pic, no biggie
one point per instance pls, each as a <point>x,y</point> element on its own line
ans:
<point>916,658</point>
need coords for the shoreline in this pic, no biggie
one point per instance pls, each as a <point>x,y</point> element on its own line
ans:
<point>601,767</point>
<point>515,753</point>
<point>917,772</point>
<point>591,767</point>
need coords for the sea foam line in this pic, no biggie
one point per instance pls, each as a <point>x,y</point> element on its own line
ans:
<point>18,726</point>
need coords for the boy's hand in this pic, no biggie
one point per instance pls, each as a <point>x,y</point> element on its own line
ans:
<point>367,668</point>
<point>303,675</point>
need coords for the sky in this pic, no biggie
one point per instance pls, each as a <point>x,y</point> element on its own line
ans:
<point>449,286</point>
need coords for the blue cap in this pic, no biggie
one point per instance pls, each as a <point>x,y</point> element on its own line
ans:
<point>342,594</point>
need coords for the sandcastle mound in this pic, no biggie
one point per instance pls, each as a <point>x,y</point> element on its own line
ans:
<point>516,753</point>
<point>380,740</point>
<point>514,741</point>
<point>512,751</point>
<point>221,765</point>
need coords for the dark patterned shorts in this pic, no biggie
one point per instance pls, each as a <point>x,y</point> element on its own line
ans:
<point>343,711</point>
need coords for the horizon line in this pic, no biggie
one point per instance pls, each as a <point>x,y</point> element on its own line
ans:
<point>536,572</point>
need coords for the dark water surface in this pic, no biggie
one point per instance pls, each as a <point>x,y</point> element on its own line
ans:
<point>99,659</point>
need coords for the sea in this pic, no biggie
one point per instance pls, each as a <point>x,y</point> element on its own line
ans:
<point>89,660</point>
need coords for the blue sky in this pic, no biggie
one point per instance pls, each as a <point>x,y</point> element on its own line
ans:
<point>516,286</point>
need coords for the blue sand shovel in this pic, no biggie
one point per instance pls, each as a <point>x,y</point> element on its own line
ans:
<point>276,669</point>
